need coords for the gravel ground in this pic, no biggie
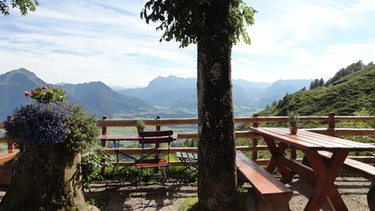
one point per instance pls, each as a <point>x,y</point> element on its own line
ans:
<point>117,196</point>
<point>114,196</point>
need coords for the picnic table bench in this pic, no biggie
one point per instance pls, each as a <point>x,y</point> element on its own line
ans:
<point>274,192</point>
<point>361,169</point>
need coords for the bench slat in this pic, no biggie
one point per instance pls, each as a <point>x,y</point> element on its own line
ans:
<point>6,156</point>
<point>271,189</point>
<point>362,169</point>
<point>187,155</point>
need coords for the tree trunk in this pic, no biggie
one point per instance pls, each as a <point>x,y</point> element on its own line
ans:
<point>46,178</point>
<point>216,147</point>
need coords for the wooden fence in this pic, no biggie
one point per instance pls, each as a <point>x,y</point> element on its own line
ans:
<point>11,152</point>
<point>330,120</point>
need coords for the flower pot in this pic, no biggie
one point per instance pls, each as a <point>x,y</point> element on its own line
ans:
<point>140,130</point>
<point>293,129</point>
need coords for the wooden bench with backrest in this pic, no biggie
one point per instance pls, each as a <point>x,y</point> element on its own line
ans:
<point>272,191</point>
<point>363,170</point>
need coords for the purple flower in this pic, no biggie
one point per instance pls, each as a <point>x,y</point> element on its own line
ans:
<point>51,120</point>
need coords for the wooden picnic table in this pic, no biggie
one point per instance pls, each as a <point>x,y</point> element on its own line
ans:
<point>322,173</point>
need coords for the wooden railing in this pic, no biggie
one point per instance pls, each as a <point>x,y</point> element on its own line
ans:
<point>255,121</point>
<point>11,151</point>
<point>330,120</point>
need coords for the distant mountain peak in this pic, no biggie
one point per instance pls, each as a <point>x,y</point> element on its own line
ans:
<point>21,71</point>
<point>166,83</point>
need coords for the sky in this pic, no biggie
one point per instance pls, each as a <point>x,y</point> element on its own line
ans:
<point>75,42</point>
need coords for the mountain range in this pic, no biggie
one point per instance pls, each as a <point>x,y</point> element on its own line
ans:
<point>181,94</point>
<point>164,96</point>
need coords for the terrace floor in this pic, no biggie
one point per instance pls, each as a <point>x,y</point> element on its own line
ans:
<point>116,196</point>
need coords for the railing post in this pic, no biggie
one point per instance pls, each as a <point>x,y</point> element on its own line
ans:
<point>254,143</point>
<point>331,123</point>
<point>104,145</point>
<point>104,129</point>
<point>157,145</point>
<point>10,145</point>
<point>157,128</point>
<point>157,124</point>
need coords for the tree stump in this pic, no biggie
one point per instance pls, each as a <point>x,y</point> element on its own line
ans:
<point>6,171</point>
<point>371,197</point>
<point>47,177</point>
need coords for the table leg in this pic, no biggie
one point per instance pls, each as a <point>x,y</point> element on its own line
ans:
<point>275,151</point>
<point>326,175</point>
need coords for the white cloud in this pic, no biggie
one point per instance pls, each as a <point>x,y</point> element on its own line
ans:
<point>82,41</point>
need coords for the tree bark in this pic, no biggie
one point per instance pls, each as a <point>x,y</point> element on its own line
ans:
<point>46,178</point>
<point>216,147</point>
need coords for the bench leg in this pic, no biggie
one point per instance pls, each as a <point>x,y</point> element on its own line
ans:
<point>371,197</point>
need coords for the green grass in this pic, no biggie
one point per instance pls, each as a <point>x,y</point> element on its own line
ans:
<point>3,146</point>
<point>188,204</point>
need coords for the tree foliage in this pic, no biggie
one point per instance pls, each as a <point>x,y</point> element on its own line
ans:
<point>354,67</point>
<point>24,6</point>
<point>183,21</point>
<point>316,83</point>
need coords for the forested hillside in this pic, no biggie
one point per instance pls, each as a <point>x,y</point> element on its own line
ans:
<point>351,90</point>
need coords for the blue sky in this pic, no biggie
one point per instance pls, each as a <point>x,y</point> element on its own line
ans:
<point>82,41</point>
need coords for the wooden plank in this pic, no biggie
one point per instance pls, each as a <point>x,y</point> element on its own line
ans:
<point>362,169</point>
<point>305,140</point>
<point>4,140</point>
<point>187,155</point>
<point>6,156</point>
<point>283,134</point>
<point>271,189</point>
<point>304,171</point>
<point>152,163</point>
<point>334,141</point>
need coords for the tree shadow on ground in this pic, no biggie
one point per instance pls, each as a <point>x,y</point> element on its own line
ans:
<point>110,196</point>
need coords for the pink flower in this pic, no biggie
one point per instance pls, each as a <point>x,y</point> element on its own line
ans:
<point>27,94</point>
<point>44,87</point>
